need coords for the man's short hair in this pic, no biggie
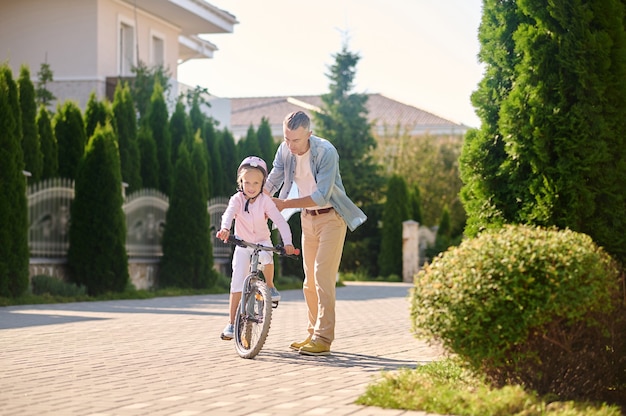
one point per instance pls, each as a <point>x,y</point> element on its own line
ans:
<point>296,120</point>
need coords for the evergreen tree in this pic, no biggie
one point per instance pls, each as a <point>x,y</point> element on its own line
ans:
<point>266,141</point>
<point>415,203</point>
<point>50,158</point>
<point>158,121</point>
<point>31,147</point>
<point>215,171</point>
<point>142,87</point>
<point>228,156</point>
<point>97,113</point>
<point>395,212</point>
<point>248,146</point>
<point>343,121</point>
<point>187,254</point>
<point>180,129</point>
<point>69,131</point>
<point>14,254</point>
<point>44,77</point>
<point>125,123</point>
<point>561,122</point>
<point>99,263</point>
<point>149,163</point>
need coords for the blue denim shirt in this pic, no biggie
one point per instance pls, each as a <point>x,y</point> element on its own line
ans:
<point>325,169</point>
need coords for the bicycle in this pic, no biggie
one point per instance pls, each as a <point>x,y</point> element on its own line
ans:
<point>254,315</point>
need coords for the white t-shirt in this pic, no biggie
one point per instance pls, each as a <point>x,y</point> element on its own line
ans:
<point>304,177</point>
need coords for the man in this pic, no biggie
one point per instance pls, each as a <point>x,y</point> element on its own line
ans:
<point>312,163</point>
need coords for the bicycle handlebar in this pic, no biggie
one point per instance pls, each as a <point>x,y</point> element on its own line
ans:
<point>279,249</point>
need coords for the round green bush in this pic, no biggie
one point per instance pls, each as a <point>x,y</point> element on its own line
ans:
<point>521,304</point>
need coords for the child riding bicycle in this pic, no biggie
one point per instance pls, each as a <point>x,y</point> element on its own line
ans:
<point>250,208</point>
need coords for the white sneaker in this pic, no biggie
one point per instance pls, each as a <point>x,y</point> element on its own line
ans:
<point>274,294</point>
<point>228,333</point>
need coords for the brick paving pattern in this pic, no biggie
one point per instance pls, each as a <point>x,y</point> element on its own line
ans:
<point>165,357</point>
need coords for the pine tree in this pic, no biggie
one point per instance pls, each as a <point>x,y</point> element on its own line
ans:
<point>158,121</point>
<point>69,130</point>
<point>14,254</point>
<point>45,75</point>
<point>99,263</point>
<point>395,212</point>
<point>31,146</point>
<point>125,123</point>
<point>560,119</point>
<point>343,121</point>
<point>187,254</point>
<point>50,158</point>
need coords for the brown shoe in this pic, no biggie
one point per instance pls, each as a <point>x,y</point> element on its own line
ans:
<point>297,345</point>
<point>315,348</point>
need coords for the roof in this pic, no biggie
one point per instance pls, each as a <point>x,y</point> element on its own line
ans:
<point>383,112</point>
<point>194,18</point>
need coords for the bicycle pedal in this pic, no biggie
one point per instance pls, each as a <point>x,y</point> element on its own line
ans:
<point>274,304</point>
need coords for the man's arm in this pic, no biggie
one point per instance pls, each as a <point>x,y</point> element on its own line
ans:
<point>304,202</point>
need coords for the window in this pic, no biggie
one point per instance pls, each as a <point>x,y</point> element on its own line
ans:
<point>158,51</point>
<point>126,50</point>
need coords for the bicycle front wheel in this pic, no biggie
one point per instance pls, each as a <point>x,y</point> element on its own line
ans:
<point>252,324</point>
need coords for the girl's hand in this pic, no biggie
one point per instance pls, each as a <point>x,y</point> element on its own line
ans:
<point>223,234</point>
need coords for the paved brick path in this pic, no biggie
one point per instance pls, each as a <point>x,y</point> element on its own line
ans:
<point>164,357</point>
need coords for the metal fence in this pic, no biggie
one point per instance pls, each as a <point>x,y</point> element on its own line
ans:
<point>49,204</point>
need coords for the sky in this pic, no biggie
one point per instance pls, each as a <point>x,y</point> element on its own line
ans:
<point>418,52</point>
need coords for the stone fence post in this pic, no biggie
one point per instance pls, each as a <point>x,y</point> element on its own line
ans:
<point>410,250</point>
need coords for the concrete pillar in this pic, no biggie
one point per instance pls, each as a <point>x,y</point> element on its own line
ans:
<point>410,250</point>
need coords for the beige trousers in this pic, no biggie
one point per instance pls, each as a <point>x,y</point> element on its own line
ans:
<point>323,237</point>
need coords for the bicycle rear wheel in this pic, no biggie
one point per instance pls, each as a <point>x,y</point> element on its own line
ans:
<point>253,324</point>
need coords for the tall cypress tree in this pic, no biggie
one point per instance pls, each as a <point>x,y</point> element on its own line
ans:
<point>50,158</point>
<point>149,162</point>
<point>14,254</point>
<point>266,141</point>
<point>180,129</point>
<point>560,120</point>
<point>158,121</point>
<point>98,112</point>
<point>69,130</point>
<point>396,210</point>
<point>125,124</point>
<point>228,156</point>
<point>215,172</point>
<point>187,259</point>
<point>248,146</point>
<point>31,146</point>
<point>99,263</point>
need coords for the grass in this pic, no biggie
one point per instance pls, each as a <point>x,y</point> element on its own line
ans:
<point>55,291</point>
<point>443,387</point>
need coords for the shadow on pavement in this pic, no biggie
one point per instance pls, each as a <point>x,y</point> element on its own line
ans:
<point>339,359</point>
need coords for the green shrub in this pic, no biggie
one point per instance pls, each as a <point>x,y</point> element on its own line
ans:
<point>42,284</point>
<point>530,306</point>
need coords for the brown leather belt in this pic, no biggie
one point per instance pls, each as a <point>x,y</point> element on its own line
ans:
<point>315,212</point>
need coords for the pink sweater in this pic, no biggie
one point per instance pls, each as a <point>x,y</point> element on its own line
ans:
<point>252,226</point>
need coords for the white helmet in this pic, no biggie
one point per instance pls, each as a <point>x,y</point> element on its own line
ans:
<point>255,162</point>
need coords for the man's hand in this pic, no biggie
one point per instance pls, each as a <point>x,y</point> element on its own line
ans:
<point>280,203</point>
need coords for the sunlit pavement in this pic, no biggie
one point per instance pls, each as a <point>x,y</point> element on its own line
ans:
<point>165,357</point>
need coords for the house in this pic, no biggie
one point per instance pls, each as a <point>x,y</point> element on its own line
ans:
<point>88,43</point>
<point>385,113</point>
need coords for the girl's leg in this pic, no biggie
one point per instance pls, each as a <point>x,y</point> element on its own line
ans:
<point>268,272</point>
<point>235,299</point>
